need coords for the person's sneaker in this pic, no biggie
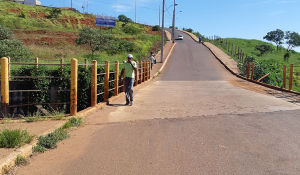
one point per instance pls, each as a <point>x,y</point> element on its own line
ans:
<point>131,103</point>
<point>126,104</point>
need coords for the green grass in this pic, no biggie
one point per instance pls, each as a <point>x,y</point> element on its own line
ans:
<point>248,48</point>
<point>14,138</point>
<point>58,115</point>
<point>50,141</point>
<point>73,122</point>
<point>21,160</point>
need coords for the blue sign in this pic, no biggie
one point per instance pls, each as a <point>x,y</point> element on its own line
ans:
<point>105,21</point>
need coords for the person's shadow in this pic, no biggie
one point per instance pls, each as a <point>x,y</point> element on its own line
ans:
<point>116,105</point>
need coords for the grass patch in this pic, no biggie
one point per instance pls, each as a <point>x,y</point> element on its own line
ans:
<point>21,160</point>
<point>73,122</point>
<point>35,117</point>
<point>50,141</point>
<point>14,138</point>
<point>58,115</point>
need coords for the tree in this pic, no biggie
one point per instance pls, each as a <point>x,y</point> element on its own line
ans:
<point>124,19</point>
<point>293,40</point>
<point>156,28</point>
<point>275,36</point>
<point>189,30</point>
<point>264,48</point>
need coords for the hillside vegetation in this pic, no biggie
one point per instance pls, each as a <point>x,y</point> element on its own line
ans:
<point>271,62</point>
<point>51,33</point>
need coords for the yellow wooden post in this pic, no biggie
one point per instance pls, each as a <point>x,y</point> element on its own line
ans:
<point>123,75</point>
<point>106,81</point>
<point>291,77</point>
<point>116,91</point>
<point>144,71</point>
<point>8,58</point>
<point>36,62</point>
<point>248,70</point>
<point>140,72</point>
<point>4,81</point>
<point>61,65</point>
<point>136,74</point>
<point>86,64</point>
<point>94,83</point>
<point>252,72</point>
<point>149,69</point>
<point>284,76</point>
<point>73,90</point>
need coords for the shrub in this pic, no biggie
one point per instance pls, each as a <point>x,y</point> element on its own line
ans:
<point>156,28</point>
<point>14,138</point>
<point>14,49</point>
<point>73,122</point>
<point>132,29</point>
<point>50,140</point>
<point>5,33</point>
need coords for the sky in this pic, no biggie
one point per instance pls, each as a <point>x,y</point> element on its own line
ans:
<point>246,19</point>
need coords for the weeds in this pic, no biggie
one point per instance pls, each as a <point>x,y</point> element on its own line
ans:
<point>20,160</point>
<point>58,115</point>
<point>73,122</point>
<point>35,117</point>
<point>50,141</point>
<point>14,138</point>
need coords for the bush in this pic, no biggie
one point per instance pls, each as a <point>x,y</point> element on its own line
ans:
<point>50,140</point>
<point>73,122</point>
<point>5,33</point>
<point>14,49</point>
<point>125,46</point>
<point>132,29</point>
<point>14,138</point>
<point>156,28</point>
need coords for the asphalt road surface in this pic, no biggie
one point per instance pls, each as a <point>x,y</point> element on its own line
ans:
<point>189,120</point>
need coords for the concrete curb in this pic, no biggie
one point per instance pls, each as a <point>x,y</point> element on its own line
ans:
<point>9,161</point>
<point>237,75</point>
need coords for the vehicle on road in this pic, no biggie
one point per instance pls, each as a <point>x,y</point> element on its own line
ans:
<point>180,37</point>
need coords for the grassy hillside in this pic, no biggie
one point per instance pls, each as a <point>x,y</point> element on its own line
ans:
<point>248,47</point>
<point>271,62</point>
<point>50,34</point>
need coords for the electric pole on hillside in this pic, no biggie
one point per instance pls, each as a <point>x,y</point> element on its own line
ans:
<point>87,7</point>
<point>159,16</point>
<point>162,32</point>
<point>82,8</point>
<point>135,11</point>
<point>71,4</point>
<point>173,26</point>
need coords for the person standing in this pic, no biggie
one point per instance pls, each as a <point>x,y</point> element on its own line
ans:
<point>129,67</point>
<point>200,39</point>
<point>152,59</point>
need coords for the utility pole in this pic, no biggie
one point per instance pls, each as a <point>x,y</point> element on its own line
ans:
<point>159,16</point>
<point>87,7</point>
<point>82,8</point>
<point>135,11</point>
<point>71,4</point>
<point>173,27</point>
<point>162,32</point>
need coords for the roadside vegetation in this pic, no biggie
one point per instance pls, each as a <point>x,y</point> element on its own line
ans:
<point>14,138</point>
<point>50,141</point>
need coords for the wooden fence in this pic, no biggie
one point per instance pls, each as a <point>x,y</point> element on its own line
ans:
<point>142,75</point>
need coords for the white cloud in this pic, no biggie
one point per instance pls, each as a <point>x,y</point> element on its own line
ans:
<point>121,8</point>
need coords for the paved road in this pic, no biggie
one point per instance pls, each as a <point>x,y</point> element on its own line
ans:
<point>189,120</point>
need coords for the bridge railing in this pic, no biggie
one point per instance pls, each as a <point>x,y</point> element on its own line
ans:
<point>104,83</point>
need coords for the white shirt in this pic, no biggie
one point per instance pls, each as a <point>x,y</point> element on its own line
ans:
<point>151,58</point>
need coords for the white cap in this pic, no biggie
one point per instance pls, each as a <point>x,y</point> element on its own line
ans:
<point>129,56</point>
